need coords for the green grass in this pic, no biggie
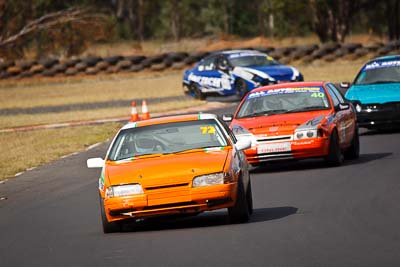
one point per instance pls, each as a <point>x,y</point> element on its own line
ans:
<point>22,150</point>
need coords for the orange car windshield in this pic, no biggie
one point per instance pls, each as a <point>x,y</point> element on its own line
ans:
<point>161,139</point>
<point>284,100</point>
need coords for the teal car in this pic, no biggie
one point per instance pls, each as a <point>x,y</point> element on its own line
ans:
<point>375,93</point>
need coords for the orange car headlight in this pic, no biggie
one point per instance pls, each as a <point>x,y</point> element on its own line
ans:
<point>124,190</point>
<point>307,133</point>
<point>208,179</point>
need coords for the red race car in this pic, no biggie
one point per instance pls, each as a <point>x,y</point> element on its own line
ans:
<point>296,121</point>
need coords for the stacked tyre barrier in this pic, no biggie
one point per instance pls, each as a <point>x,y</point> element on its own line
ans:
<point>94,65</point>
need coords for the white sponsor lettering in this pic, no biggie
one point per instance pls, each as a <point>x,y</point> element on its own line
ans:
<point>274,147</point>
<point>375,65</point>
<point>205,81</point>
<point>242,73</point>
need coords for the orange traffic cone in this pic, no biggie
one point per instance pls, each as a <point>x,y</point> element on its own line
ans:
<point>145,111</point>
<point>134,113</point>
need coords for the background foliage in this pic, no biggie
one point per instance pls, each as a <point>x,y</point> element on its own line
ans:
<point>330,20</point>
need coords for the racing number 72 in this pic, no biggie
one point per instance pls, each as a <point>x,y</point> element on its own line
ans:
<point>207,129</point>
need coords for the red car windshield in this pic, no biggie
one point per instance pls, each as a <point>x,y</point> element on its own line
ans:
<point>284,100</point>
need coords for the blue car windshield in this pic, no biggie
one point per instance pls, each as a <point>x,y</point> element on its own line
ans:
<point>379,75</point>
<point>252,60</point>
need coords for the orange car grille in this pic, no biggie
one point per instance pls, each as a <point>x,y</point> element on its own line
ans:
<point>272,156</point>
<point>180,205</point>
<point>277,138</point>
<point>166,186</point>
<point>172,205</point>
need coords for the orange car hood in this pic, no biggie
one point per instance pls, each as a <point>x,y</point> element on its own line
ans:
<point>278,124</point>
<point>167,169</point>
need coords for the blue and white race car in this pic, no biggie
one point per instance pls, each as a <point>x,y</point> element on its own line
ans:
<point>235,72</point>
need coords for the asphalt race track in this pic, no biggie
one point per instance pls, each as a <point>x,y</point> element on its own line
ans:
<point>306,214</point>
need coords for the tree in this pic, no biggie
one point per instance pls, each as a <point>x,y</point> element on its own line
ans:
<point>393,20</point>
<point>20,29</point>
<point>331,19</point>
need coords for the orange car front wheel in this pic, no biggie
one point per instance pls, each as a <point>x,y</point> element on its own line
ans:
<point>108,227</point>
<point>240,212</point>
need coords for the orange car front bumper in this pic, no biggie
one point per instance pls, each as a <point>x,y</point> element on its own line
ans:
<point>168,202</point>
<point>298,149</point>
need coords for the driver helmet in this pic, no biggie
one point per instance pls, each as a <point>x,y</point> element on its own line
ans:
<point>145,144</point>
<point>223,63</point>
<point>273,103</point>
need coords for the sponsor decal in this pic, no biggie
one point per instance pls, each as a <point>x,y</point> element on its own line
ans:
<point>382,64</point>
<point>317,90</point>
<point>246,54</point>
<point>298,143</point>
<point>210,149</point>
<point>206,81</point>
<point>274,148</point>
<point>101,180</point>
<point>242,73</point>
<point>238,130</point>
<point>215,82</point>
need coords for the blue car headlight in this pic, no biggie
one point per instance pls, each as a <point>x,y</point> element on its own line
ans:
<point>297,76</point>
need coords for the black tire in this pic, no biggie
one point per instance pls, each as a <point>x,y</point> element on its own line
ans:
<point>72,62</point>
<point>48,62</point>
<point>190,60</point>
<point>59,67</point>
<point>240,88</point>
<point>158,67</point>
<point>146,63</point>
<point>136,68</point>
<point>373,47</point>
<point>112,60</point>
<point>91,61</point>
<point>176,56</point>
<point>4,65</point>
<point>135,59</point>
<point>92,71</point>
<point>24,64</point>
<point>239,213</point>
<point>199,55</point>
<point>102,65</point>
<point>353,152</point>
<point>49,73</point>
<point>124,64</point>
<point>196,92</point>
<point>26,74</point>
<point>81,66</point>
<point>178,66</point>
<point>71,71</point>
<point>157,59</point>
<point>5,75</point>
<point>168,62</point>
<point>335,156</point>
<point>108,227</point>
<point>351,47</point>
<point>249,198</point>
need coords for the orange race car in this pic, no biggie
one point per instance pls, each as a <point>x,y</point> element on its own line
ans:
<point>173,165</point>
<point>296,121</point>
